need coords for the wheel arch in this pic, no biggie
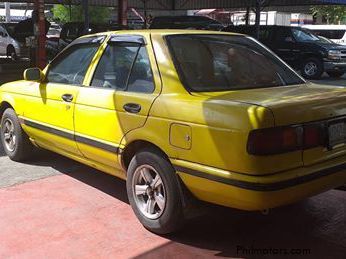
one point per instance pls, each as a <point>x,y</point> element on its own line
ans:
<point>9,47</point>
<point>3,106</point>
<point>308,55</point>
<point>133,147</point>
<point>187,198</point>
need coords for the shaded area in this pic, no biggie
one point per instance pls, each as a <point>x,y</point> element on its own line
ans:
<point>2,152</point>
<point>12,71</point>
<point>317,224</point>
<point>326,80</point>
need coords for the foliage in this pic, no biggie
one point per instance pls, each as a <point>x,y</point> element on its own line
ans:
<point>97,14</point>
<point>334,14</point>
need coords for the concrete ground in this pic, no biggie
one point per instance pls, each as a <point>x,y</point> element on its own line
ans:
<point>52,207</point>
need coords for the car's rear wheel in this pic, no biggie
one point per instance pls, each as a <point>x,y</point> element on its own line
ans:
<point>15,142</point>
<point>335,74</point>
<point>153,192</point>
<point>312,68</point>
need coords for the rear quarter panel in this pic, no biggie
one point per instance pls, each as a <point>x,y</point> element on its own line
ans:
<point>219,128</point>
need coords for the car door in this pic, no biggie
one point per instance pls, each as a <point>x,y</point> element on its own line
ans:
<point>49,110</point>
<point>121,92</point>
<point>283,45</point>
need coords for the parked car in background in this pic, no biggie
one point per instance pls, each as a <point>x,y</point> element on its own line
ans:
<point>336,33</point>
<point>73,30</point>
<point>11,45</point>
<point>301,49</point>
<point>185,22</point>
<point>54,31</point>
<point>182,114</point>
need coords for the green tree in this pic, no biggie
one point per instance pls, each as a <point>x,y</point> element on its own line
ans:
<point>74,13</point>
<point>334,14</point>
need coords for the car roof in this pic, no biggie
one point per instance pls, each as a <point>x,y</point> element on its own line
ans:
<point>325,27</point>
<point>163,32</point>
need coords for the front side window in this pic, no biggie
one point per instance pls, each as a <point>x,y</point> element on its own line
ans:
<point>72,65</point>
<point>222,63</point>
<point>304,35</point>
<point>124,67</point>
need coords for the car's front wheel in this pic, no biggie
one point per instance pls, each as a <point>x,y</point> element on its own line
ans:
<point>153,192</point>
<point>312,68</point>
<point>15,142</point>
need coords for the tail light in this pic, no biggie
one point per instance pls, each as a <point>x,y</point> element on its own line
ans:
<point>314,135</point>
<point>280,140</point>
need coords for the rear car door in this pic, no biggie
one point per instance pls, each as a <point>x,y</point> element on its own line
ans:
<point>124,84</point>
<point>49,110</point>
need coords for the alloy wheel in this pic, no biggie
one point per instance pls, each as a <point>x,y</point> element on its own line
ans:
<point>310,68</point>
<point>149,192</point>
<point>10,139</point>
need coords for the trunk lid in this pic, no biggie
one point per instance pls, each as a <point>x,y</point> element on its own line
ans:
<point>296,105</point>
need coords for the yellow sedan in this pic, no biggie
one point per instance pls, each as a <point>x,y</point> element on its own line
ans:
<point>181,114</point>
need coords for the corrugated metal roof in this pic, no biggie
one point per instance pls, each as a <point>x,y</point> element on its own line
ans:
<point>192,4</point>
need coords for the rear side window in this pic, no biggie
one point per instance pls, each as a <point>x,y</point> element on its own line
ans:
<point>222,63</point>
<point>72,65</point>
<point>124,67</point>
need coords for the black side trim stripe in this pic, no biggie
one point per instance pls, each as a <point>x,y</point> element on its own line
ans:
<point>71,136</point>
<point>97,144</point>
<point>263,186</point>
<point>49,129</point>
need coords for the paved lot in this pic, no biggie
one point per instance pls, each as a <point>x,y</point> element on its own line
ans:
<point>52,207</point>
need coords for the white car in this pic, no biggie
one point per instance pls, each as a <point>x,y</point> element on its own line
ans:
<point>336,33</point>
<point>10,45</point>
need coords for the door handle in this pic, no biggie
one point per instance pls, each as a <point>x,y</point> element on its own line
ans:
<point>132,107</point>
<point>67,97</point>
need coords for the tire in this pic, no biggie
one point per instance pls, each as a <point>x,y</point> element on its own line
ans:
<point>312,68</point>
<point>335,74</point>
<point>11,53</point>
<point>163,219</point>
<point>15,142</point>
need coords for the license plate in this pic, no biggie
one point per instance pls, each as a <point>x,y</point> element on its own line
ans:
<point>337,134</point>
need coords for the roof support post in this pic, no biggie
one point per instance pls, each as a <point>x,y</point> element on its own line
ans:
<point>258,17</point>
<point>122,12</point>
<point>86,16</point>
<point>8,12</point>
<point>40,32</point>
<point>247,16</point>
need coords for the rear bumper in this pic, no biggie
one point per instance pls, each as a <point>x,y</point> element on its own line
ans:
<point>260,192</point>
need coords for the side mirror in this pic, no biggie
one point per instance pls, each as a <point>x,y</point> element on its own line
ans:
<point>33,74</point>
<point>289,39</point>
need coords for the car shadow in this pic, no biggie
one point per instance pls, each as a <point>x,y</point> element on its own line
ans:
<point>106,183</point>
<point>306,226</point>
<point>2,152</point>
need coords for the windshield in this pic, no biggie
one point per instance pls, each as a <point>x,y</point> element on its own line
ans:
<point>10,28</point>
<point>222,63</point>
<point>304,35</point>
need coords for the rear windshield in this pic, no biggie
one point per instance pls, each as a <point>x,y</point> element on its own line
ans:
<point>223,62</point>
